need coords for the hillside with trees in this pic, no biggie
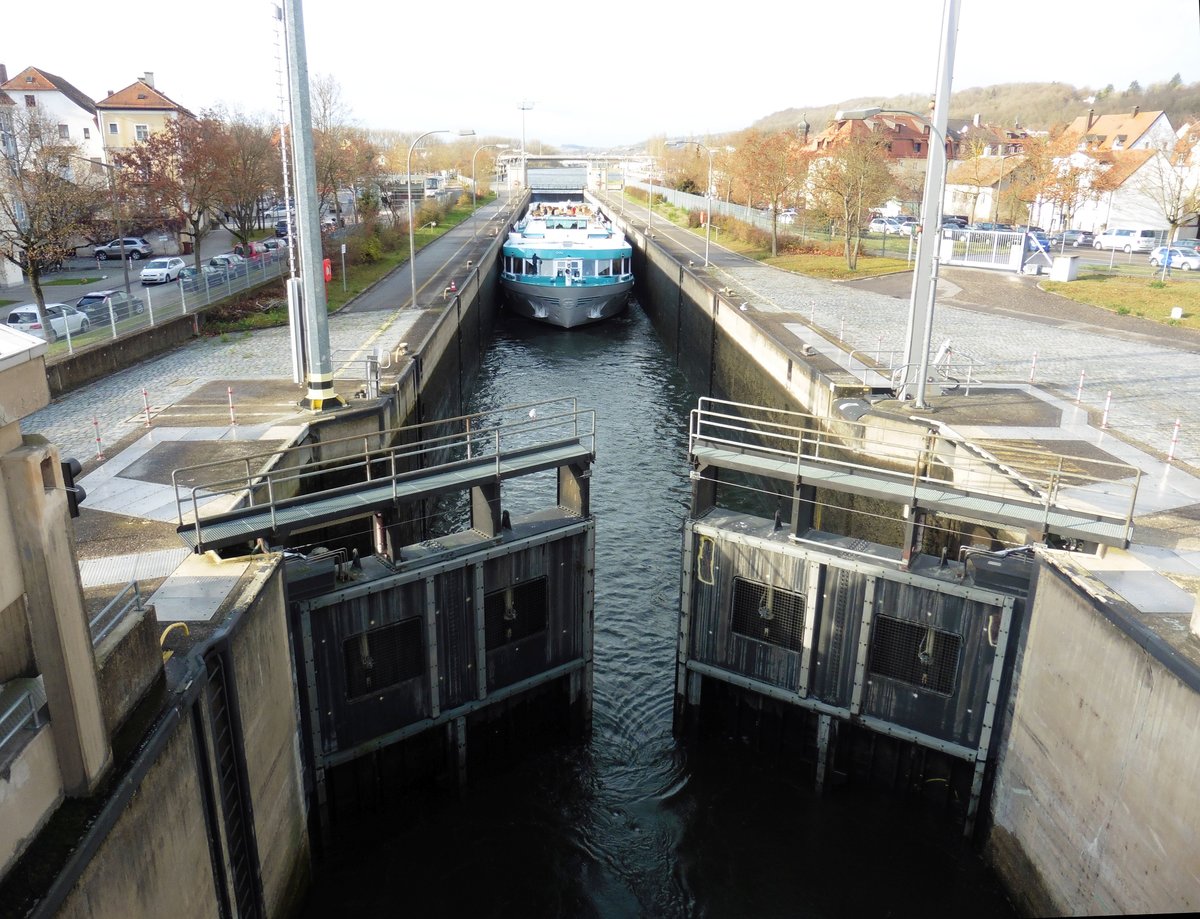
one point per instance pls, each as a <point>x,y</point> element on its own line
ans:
<point>1038,106</point>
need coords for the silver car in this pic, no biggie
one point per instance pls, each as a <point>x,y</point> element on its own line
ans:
<point>62,318</point>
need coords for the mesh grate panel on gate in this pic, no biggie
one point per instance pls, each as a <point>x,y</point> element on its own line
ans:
<point>768,614</point>
<point>915,654</point>
<point>383,657</point>
<point>516,613</point>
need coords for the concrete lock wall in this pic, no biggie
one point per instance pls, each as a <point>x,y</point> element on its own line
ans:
<point>128,662</point>
<point>155,860</point>
<point>1094,808</point>
<point>266,691</point>
<point>30,789</point>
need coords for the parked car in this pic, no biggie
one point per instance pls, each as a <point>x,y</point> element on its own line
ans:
<point>1036,241</point>
<point>109,305</point>
<point>192,280</point>
<point>282,229</point>
<point>1185,258</point>
<point>1127,240</point>
<point>1074,238</point>
<point>991,227</point>
<point>135,248</point>
<point>884,225</point>
<point>61,317</point>
<point>275,245</point>
<point>230,262</point>
<point>162,270</point>
<point>953,223</point>
<point>251,250</point>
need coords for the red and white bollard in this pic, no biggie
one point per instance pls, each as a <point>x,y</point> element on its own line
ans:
<point>232,416</point>
<point>1174,442</point>
<point>842,329</point>
<point>1033,367</point>
<point>1104,418</point>
<point>99,445</point>
<point>146,405</point>
<point>1079,392</point>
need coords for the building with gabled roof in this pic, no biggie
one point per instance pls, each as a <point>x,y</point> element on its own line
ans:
<point>976,187</point>
<point>58,102</point>
<point>903,136</point>
<point>1136,130</point>
<point>134,113</point>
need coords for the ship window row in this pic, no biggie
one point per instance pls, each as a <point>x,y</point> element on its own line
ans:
<point>549,268</point>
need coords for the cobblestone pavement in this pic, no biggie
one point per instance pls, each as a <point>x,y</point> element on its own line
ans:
<point>1152,383</point>
<point>115,405</point>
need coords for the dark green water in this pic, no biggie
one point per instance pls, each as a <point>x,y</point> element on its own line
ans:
<point>630,823</point>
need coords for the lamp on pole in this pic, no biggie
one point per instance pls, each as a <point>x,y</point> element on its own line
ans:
<point>112,192</point>
<point>650,197</point>
<point>412,217</point>
<point>525,107</point>
<point>707,190</point>
<point>473,155</point>
<point>1000,185</point>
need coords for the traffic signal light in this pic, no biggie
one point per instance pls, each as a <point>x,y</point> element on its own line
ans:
<point>75,493</point>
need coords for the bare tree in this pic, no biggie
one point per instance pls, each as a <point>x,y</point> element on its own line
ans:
<point>1170,180</point>
<point>249,169</point>
<point>344,155</point>
<point>177,173</point>
<point>48,196</point>
<point>848,183</point>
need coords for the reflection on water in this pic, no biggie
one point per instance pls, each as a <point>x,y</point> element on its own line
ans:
<point>629,823</point>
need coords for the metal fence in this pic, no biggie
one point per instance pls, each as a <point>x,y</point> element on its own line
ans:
<point>153,306</point>
<point>24,712</point>
<point>100,625</point>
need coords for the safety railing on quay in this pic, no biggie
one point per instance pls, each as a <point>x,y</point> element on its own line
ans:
<point>129,599</point>
<point>23,712</point>
<point>935,457</point>
<point>151,306</point>
<point>268,478</point>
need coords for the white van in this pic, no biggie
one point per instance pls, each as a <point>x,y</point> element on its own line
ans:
<point>1128,240</point>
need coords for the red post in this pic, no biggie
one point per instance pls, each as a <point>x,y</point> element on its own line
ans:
<point>1033,367</point>
<point>1079,392</point>
<point>146,404</point>
<point>1174,441</point>
<point>232,416</point>
<point>99,445</point>
<point>1107,402</point>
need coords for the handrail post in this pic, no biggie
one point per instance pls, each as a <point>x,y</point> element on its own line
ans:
<point>271,497</point>
<point>196,516</point>
<point>249,484</point>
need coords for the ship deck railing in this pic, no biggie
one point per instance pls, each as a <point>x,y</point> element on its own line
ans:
<point>926,466</point>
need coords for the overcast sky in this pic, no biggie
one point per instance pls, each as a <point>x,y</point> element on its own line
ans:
<point>597,74</point>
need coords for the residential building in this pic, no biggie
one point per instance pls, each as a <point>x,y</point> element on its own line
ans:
<point>134,113</point>
<point>903,136</point>
<point>984,188</point>
<point>1136,130</point>
<point>59,103</point>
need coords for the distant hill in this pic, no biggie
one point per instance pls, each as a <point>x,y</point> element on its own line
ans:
<point>1038,106</point>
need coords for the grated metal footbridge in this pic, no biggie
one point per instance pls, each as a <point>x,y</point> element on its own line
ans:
<point>278,493</point>
<point>1033,490</point>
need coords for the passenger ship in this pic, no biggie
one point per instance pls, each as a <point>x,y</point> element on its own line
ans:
<point>566,265</point>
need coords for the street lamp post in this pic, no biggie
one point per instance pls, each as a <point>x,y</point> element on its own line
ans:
<point>525,107</point>
<point>1000,185</point>
<point>650,197</point>
<point>112,192</point>
<point>412,217</point>
<point>473,155</point>
<point>707,191</point>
